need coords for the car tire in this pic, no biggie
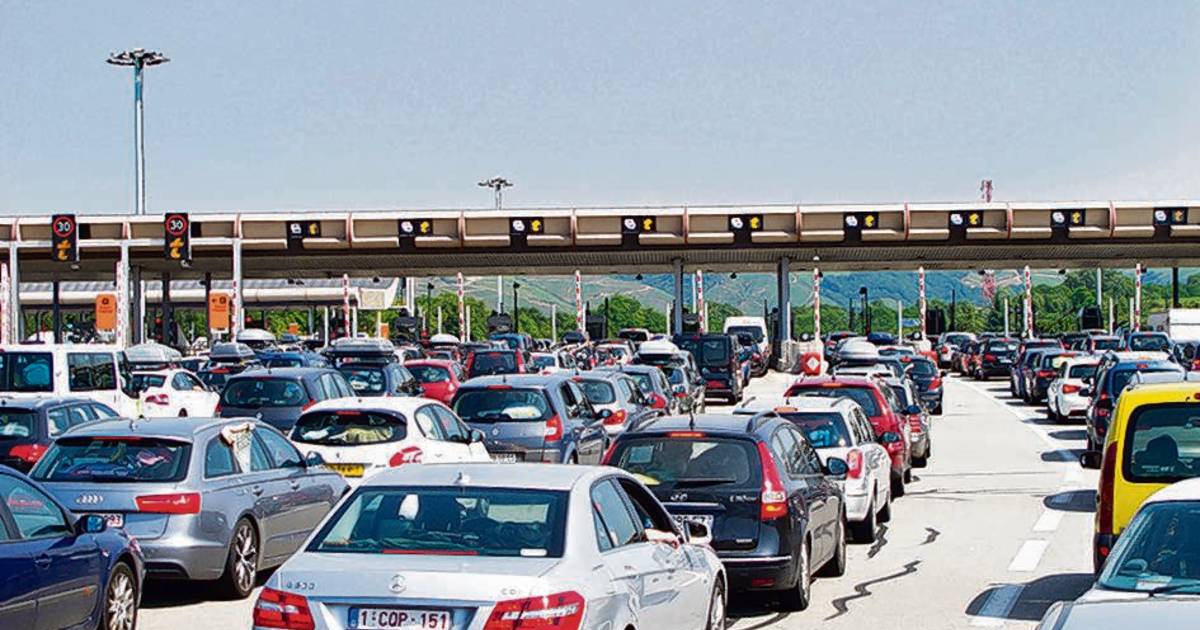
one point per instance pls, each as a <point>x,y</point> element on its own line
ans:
<point>920,462</point>
<point>885,512</point>
<point>937,411</point>
<point>864,530</point>
<point>836,567</point>
<point>241,562</point>
<point>716,607</point>
<point>897,486</point>
<point>120,604</point>
<point>798,597</point>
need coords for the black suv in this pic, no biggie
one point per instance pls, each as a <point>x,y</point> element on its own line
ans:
<point>716,356</point>
<point>775,513</point>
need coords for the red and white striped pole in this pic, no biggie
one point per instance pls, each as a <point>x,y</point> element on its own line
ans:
<point>346,304</point>
<point>701,312</point>
<point>1028,303</point>
<point>816,304</point>
<point>1136,324</point>
<point>921,300</point>
<point>579,323</point>
<point>5,307</point>
<point>462,308</point>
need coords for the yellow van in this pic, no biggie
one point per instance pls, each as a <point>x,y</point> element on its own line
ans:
<point>1153,441</point>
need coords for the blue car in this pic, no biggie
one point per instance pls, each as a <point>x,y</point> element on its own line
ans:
<point>62,570</point>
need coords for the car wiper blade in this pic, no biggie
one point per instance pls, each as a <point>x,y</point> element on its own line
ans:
<point>697,482</point>
<point>1172,588</point>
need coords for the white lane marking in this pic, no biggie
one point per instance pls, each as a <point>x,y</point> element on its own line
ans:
<point>1049,521</point>
<point>997,606</point>
<point>1029,556</point>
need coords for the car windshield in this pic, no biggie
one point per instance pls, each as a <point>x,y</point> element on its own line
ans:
<point>754,332</point>
<point>114,459</point>
<point>502,405</point>
<point>458,521</point>
<point>711,351</point>
<point>1149,343</point>
<point>429,373</point>
<point>824,429</point>
<point>26,372</point>
<point>365,380</point>
<point>1082,371</point>
<point>598,392</point>
<point>542,361</point>
<point>263,391</point>
<point>493,363</point>
<point>349,427</point>
<point>1159,550</point>
<point>1163,443</point>
<point>861,395</point>
<point>665,463</point>
<point>17,423</point>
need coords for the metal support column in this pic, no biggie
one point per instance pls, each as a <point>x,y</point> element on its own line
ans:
<point>677,325</point>
<point>784,298</point>
<point>1175,287</point>
<point>168,313</point>
<point>56,309</point>
<point>235,313</point>
<point>16,321</point>
<point>137,305</point>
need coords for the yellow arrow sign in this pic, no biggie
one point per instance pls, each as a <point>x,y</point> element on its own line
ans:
<point>754,223</point>
<point>62,254</point>
<point>869,220</point>
<point>312,228</point>
<point>425,227</point>
<point>1076,217</point>
<point>176,252</point>
<point>535,226</point>
<point>647,224</point>
<point>974,218</point>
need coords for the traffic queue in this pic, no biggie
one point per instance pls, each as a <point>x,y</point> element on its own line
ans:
<point>1136,396</point>
<point>577,475</point>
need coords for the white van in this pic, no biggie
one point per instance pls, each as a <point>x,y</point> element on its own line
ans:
<point>756,327</point>
<point>98,372</point>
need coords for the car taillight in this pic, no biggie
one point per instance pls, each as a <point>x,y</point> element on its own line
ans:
<point>854,460</point>
<point>714,383</point>
<point>554,428</point>
<point>279,609</point>
<point>936,383</point>
<point>774,497</point>
<point>657,401</point>
<point>1196,364</point>
<point>989,357</point>
<point>175,503</point>
<point>560,611</point>
<point>158,399</point>
<point>407,455</point>
<point>308,404</point>
<point>1108,481</point>
<point>617,418</point>
<point>217,409</point>
<point>28,453</point>
<point>1070,389</point>
<point>1046,373</point>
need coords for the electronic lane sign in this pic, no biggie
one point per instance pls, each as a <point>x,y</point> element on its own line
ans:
<point>521,228</point>
<point>409,229</point>
<point>177,237</point>
<point>64,242</point>
<point>853,224</point>
<point>639,225</point>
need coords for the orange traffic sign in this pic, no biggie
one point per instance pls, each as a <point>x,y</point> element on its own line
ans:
<point>218,311</point>
<point>106,311</point>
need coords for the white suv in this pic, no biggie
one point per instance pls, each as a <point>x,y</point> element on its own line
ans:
<point>94,371</point>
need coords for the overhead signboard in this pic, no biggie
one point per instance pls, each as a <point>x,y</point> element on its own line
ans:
<point>64,238</point>
<point>177,237</point>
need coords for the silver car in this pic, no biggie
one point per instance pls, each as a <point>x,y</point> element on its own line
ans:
<point>206,499</point>
<point>477,546</point>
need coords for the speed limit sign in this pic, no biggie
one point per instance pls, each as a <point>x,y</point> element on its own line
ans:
<point>177,237</point>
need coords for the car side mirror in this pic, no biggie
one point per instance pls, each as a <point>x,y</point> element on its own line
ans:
<point>889,437</point>
<point>698,533</point>
<point>836,468</point>
<point>90,524</point>
<point>1090,459</point>
<point>313,460</point>
<point>475,436</point>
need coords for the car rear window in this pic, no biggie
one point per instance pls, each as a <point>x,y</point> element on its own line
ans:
<point>459,521</point>
<point>824,429</point>
<point>1002,346</point>
<point>1121,378</point>
<point>17,423</point>
<point>1106,344</point>
<point>284,362</point>
<point>1082,371</point>
<point>541,361</point>
<point>1149,343</point>
<point>349,427</point>
<point>365,380</point>
<point>861,395</point>
<point>690,460</point>
<point>263,391</point>
<point>26,372</point>
<point>485,363</point>
<point>644,382</point>
<point>429,373</point>
<point>142,381</point>
<point>1162,443</point>
<point>711,351</point>
<point>114,459</point>
<point>921,367</point>
<point>598,392</point>
<point>502,405</point>
<point>754,332</point>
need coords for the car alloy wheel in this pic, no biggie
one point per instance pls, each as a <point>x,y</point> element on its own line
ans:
<point>120,602</point>
<point>246,558</point>
<point>716,608</point>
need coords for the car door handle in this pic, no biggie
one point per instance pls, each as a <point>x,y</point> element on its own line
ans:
<point>295,484</point>
<point>42,562</point>
<point>256,490</point>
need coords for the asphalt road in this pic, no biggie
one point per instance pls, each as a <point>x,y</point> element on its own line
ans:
<point>992,532</point>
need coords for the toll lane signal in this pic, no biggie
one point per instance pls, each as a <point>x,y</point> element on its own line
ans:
<point>300,230</point>
<point>1170,216</point>
<point>525,226</point>
<point>1060,219</point>
<point>64,241</point>
<point>639,225</point>
<point>746,223</point>
<point>177,237</point>
<point>412,228</point>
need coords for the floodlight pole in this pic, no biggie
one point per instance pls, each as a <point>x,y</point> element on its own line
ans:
<point>138,59</point>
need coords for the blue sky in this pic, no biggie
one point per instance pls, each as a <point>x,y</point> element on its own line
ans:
<point>272,105</point>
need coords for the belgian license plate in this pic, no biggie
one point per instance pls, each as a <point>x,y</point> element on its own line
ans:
<point>387,618</point>
<point>682,520</point>
<point>113,520</point>
<point>505,458</point>
<point>347,470</point>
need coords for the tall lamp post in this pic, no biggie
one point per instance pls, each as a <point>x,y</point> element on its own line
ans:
<point>428,303</point>
<point>516,308</point>
<point>498,184</point>
<point>138,59</point>
<point>866,309</point>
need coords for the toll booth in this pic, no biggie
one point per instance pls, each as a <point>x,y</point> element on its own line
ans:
<point>935,322</point>
<point>499,323</point>
<point>405,328</point>
<point>1090,318</point>
<point>597,327</point>
<point>691,323</point>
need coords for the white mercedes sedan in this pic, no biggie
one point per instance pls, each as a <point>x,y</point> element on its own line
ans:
<point>498,546</point>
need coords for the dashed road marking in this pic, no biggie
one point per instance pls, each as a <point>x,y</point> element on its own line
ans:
<point>1029,556</point>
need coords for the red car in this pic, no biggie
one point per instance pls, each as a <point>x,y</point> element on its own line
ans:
<point>439,378</point>
<point>890,429</point>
